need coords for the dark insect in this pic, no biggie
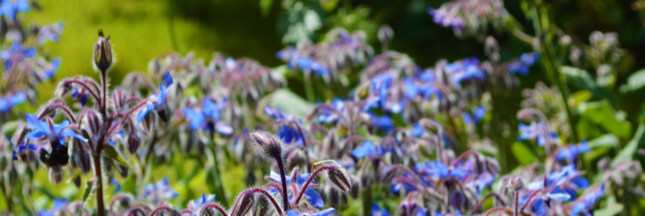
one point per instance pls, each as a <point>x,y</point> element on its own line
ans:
<point>58,156</point>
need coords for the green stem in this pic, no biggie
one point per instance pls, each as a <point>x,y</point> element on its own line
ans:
<point>366,198</point>
<point>309,89</point>
<point>219,188</point>
<point>552,69</point>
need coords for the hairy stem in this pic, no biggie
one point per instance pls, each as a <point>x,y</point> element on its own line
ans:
<point>283,178</point>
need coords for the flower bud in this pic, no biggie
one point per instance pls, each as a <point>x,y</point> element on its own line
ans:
<point>102,53</point>
<point>340,179</point>
<point>262,207</point>
<point>267,145</point>
<point>244,205</point>
<point>133,143</point>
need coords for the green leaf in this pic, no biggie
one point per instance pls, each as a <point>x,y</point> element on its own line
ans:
<point>522,153</point>
<point>607,140</point>
<point>601,146</point>
<point>114,154</point>
<point>638,141</point>
<point>289,102</point>
<point>601,113</point>
<point>87,191</point>
<point>581,79</point>
<point>130,184</point>
<point>635,82</point>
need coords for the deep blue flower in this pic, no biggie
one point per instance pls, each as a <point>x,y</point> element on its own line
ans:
<point>287,133</point>
<point>6,103</point>
<point>588,202</point>
<point>311,195</point>
<point>156,101</point>
<point>159,191</point>
<point>331,116</point>
<point>196,204</point>
<point>55,132</point>
<point>16,53</point>
<point>208,118</point>
<point>383,123</point>
<point>534,131</point>
<point>466,69</point>
<point>368,149</point>
<point>378,211</point>
<point>80,95</point>
<point>572,152</point>
<point>11,8</point>
<point>59,205</point>
<point>440,170</point>
<point>325,212</point>
<point>21,148</point>
<point>522,66</point>
<point>417,130</point>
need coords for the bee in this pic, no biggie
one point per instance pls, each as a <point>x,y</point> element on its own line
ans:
<point>58,157</point>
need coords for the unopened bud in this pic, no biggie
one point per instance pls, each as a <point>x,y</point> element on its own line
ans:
<point>244,205</point>
<point>267,145</point>
<point>102,53</point>
<point>133,143</point>
<point>339,178</point>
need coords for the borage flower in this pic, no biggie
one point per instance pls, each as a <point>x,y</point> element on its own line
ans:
<point>208,118</point>
<point>159,191</point>
<point>6,103</point>
<point>155,102</point>
<point>11,8</point>
<point>56,133</point>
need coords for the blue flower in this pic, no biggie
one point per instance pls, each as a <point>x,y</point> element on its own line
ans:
<point>328,115</point>
<point>208,117</point>
<point>159,191</point>
<point>15,53</point>
<point>534,131</point>
<point>117,184</point>
<point>311,195</point>
<point>21,148</point>
<point>6,103</point>
<point>11,8</point>
<point>378,211</point>
<point>466,69</point>
<point>59,205</point>
<point>52,68</point>
<point>588,202</point>
<point>288,133</point>
<point>50,32</point>
<point>571,152</point>
<point>417,130</point>
<point>325,212</point>
<point>522,66</point>
<point>368,149</point>
<point>199,202</point>
<point>57,133</point>
<point>440,170</point>
<point>383,123</point>
<point>562,192</point>
<point>156,101</point>
<point>82,96</point>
